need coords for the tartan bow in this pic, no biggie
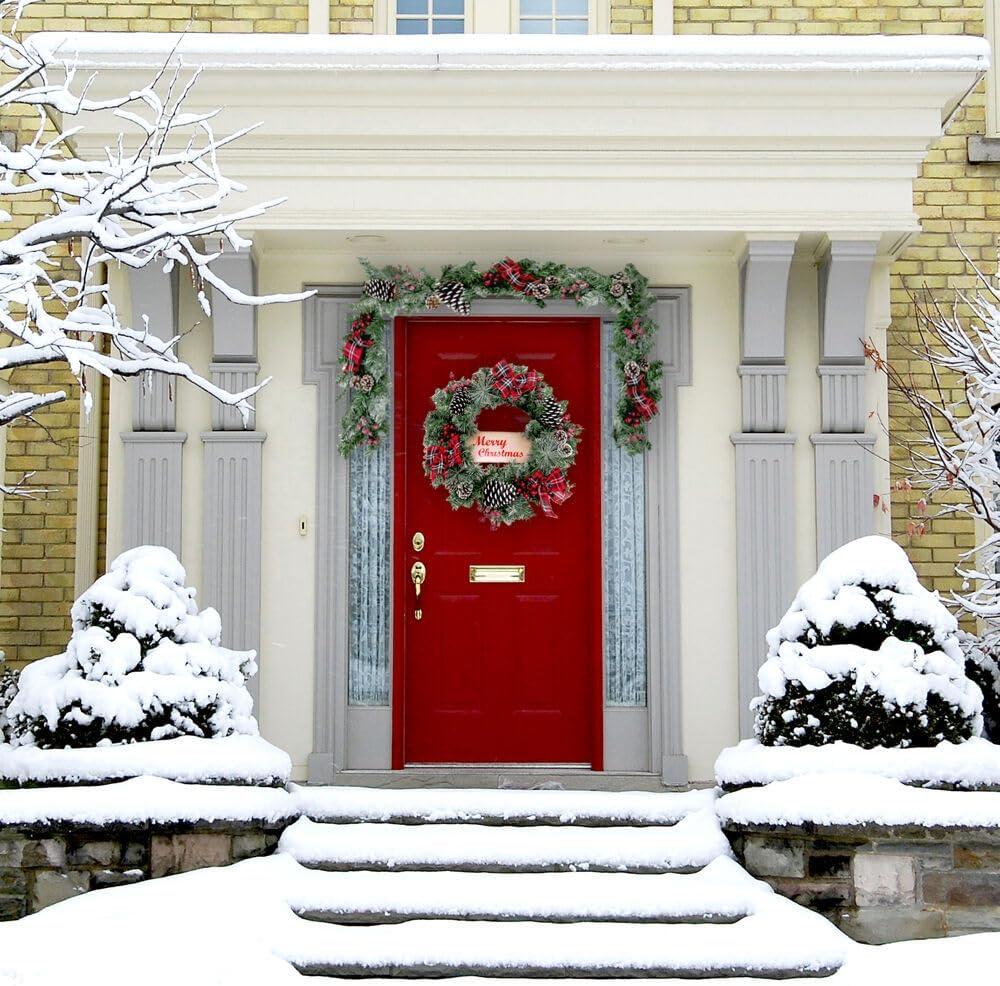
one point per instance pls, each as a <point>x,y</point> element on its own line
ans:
<point>354,350</point>
<point>644,404</point>
<point>548,490</point>
<point>438,459</point>
<point>513,273</point>
<point>511,382</point>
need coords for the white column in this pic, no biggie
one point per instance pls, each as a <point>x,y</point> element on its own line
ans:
<point>233,470</point>
<point>319,16</point>
<point>842,447</point>
<point>765,502</point>
<point>152,491</point>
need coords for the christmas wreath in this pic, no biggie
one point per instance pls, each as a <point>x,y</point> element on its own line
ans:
<point>390,291</point>
<point>505,493</point>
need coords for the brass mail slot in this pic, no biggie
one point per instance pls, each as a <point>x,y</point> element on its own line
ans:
<point>496,573</point>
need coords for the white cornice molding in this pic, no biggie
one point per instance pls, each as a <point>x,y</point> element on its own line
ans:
<point>517,132</point>
<point>489,52</point>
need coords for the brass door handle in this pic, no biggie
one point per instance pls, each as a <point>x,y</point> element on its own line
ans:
<point>418,573</point>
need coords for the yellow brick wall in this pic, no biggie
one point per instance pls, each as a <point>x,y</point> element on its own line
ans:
<point>234,16</point>
<point>352,17</point>
<point>631,16</point>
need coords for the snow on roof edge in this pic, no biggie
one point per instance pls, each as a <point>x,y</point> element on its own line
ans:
<point>484,52</point>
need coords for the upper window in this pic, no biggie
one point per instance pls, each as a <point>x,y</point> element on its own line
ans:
<point>430,16</point>
<point>494,16</point>
<point>554,17</point>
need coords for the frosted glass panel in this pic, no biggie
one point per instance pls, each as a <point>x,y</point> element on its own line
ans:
<point>624,558</point>
<point>370,511</point>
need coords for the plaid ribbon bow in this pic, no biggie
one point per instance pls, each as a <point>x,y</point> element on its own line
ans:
<point>354,350</point>
<point>438,459</point>
<point>513,273</point>
<point>644,404</point>
<point>511,382</point>
<point>548,490</point>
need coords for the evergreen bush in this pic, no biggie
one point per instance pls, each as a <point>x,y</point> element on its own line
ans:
<point>866,655</point>
<point>142,664</point>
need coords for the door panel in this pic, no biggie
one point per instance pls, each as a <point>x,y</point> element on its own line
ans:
<point>497,673</point>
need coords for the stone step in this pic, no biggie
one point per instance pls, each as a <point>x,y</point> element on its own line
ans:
<point>681,848</point>
<point>493,807</point>
<point>721,893</point>
<point>766,947</point>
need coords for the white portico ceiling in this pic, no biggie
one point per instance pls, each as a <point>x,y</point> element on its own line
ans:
<point>590,134</point>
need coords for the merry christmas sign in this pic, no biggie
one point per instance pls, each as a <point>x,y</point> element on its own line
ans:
<point>500,446</point>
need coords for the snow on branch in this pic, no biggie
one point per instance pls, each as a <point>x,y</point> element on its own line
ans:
<point>153,199</point>
<point>955,457</point>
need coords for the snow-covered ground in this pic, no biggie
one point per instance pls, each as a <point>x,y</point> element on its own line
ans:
<point>230,927</point>
<point>974,763</point>
<point>858,799</point>
<point>236,759</point>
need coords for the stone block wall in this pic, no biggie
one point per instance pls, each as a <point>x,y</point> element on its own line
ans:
<point>42,866</point>
<point>882,885</point>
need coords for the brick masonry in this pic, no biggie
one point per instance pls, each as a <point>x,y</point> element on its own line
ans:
<point>951,196</point>
<point>882,885</point>
<point>43,866</point>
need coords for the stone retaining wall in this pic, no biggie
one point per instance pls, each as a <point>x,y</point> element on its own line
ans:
<point>43,865</point>
<point>881,884</point>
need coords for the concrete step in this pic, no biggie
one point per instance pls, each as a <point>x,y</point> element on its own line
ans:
<point>681,848</point>
<point>491,807</point>
<point>762,946</point>
<point>721,893</point>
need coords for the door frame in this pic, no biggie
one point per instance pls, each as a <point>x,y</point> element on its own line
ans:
<point>352,744</point>
<point>398,547</point>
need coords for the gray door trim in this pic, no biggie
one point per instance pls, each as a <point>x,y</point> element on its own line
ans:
<point>325,319</point>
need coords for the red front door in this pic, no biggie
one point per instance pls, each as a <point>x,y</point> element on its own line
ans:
<point>497,673</point>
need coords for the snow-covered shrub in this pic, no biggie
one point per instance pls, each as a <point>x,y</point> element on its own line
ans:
<point>866,655</point>
<point>142,664</point>
<point>982,665</point>
<point>8,688</point>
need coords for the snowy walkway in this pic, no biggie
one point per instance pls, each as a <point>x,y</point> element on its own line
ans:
<point>260,921</point>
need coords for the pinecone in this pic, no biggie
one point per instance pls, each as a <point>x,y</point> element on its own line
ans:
<point>464,490</point>
<point>551,413</point>
<point>632,372</point>
<point>453,295</point>
<point>538,289</point>
<point>380,289</point>
<point>498,495</point>
<point>460,401</point>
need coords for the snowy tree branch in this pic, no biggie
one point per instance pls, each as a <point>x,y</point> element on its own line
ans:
<point>154,199</point>
<point>955,458</point>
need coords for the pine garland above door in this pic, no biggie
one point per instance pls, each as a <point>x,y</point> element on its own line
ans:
<point>395,290</point>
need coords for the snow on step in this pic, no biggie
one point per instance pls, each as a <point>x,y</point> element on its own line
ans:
<point>689,845</point>
<point>721,892</point>
<point>779,940</point>
<point>491,807</point>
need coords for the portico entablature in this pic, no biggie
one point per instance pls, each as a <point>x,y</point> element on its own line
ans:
<point>591,133</point>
